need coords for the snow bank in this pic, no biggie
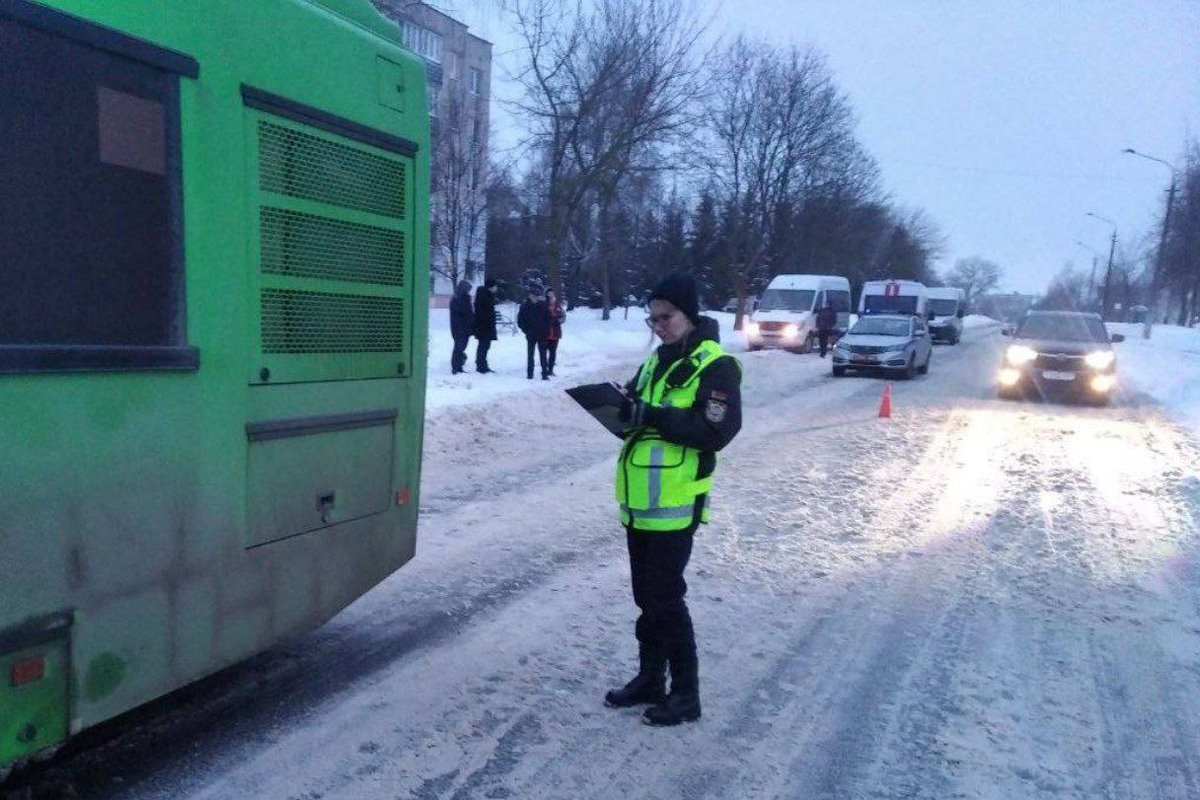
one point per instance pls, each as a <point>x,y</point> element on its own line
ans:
<point>1167,366</point>
<point>590,347</point>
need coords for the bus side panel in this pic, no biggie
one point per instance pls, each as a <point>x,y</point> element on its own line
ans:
<point>128,490</point>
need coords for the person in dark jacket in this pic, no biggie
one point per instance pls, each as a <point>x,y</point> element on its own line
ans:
<point>485,323</point>
<point>682,406</point>
<point>826,323</point>
<point>462,325</point>
<point>533,318</point>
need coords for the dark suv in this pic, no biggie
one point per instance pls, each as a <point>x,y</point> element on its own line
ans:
<point>1059,354</point>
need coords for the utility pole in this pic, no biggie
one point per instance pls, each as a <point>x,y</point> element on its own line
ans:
<point>1092,283</point>
<point>1112,246</point>
<point>1152,305</point>
<point>1158,262</point>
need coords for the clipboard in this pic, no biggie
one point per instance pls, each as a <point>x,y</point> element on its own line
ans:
<point>603,401</point>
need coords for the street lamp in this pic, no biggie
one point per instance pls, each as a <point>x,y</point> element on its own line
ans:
<point>1112,246</point>
<point>1156,276</point>
<point>1091,278</point>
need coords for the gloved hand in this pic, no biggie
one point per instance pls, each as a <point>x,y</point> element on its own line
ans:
<point>636,413</point>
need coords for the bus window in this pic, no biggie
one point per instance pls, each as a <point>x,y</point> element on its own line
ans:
<point>92,251</point>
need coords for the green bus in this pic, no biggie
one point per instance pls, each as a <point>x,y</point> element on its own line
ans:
<point>214,264</point>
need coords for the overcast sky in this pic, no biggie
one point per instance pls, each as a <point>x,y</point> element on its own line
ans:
<point>1003,120</point>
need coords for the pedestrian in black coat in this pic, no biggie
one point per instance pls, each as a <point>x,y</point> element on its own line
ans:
<point>485,323</point>
<point>533,318</point>
<point>826,323</point>
<point>462,325</point>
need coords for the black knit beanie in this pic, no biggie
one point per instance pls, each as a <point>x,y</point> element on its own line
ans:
<point>679,289</point>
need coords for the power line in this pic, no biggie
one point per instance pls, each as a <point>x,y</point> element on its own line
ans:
<point>1015,173</point>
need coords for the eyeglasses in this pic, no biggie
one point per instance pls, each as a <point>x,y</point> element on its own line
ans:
<point>658,319</point>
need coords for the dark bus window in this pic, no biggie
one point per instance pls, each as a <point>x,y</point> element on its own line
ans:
<point>91,248</point>
<point>839,300</point>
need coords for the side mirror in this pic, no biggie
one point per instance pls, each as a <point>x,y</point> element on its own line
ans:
<point>961,313</point>
<point>1006,331</point>
<point>1118,337</point>
<point>930,315</point>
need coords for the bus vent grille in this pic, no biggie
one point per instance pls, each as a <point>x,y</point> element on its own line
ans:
<point>307,246</point>
<point>319,322</point>
<point>301,165</point>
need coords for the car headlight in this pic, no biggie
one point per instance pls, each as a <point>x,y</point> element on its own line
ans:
<point>791,331</point>
<point>1018,354</point>
<point>842,346</point>
<point>1101,359</point>
<point>751,328</point>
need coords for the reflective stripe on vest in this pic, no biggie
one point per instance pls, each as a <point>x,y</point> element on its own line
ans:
<point>656,483</point>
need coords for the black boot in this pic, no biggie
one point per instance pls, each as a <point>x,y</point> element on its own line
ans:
<point>683,703</point>
<point>650,685</point>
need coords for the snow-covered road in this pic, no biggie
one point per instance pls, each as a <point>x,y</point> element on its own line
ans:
<point>975,598</point>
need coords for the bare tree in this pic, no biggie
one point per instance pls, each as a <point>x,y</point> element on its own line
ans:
<point>975,275</point>
<point>459,200</point>
<point>776,126</point>
<point>601,87</point>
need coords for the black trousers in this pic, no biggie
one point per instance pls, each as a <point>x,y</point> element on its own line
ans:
<point>657,560</point>
<point>824,337</point>
<point>540,344</point>
<point>481,351</point>
<point>551,353</point>
<point>459,357</point>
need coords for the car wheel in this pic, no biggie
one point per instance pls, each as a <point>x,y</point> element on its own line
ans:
<point>924,368</point>
<point>807,347</point>
<point>755,347</point>
<point>839,372</point>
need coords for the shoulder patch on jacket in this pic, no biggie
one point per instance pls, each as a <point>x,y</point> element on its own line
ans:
<point>715,410</point>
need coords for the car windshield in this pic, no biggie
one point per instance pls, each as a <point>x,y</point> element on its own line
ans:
<point>786,300</point>
<point>891,304</point>
<point>943,308</point>
<point>1065,328</point>
<point>879,326</point>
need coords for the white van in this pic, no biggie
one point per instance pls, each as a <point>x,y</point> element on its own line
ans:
<point>947,307</point>
<point>787,311</point>
<point>909,298</point>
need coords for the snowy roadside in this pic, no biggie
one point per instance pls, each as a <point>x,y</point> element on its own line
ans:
<point>1166,367</point>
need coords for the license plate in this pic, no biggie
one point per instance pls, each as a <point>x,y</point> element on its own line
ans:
<point>1051,375</point>
<point>865,359</point>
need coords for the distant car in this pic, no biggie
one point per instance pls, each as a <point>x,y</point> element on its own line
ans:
<point>1059,354</point>
<point>885,343</point>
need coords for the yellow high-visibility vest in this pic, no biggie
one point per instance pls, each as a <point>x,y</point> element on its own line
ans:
<point>656,483</point>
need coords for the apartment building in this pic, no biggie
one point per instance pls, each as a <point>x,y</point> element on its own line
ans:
<point>458,70</point>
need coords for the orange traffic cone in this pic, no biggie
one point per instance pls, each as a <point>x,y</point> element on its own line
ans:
<point>885,405</point>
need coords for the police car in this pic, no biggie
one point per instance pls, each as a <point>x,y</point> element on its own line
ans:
<point>885,343</point>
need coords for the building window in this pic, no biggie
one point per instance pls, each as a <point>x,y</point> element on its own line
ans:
<point>451,65</point>
<point>423,42</point>
<point>476,80</point>
<point>92,256</point>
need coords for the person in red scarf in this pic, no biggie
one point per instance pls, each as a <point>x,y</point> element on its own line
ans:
<point>557,317</point>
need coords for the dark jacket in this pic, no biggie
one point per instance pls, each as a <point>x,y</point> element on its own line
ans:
<point>826,318</point>
<point>533,318</point>
<point>485,315</point>
<point>462,316</point>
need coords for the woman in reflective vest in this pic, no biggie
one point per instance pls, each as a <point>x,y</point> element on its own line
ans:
<point>684,404</point>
